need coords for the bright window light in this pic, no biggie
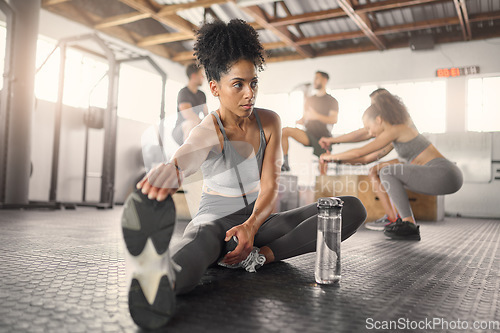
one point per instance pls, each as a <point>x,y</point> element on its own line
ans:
<point>426,103</point>
<point>85,80</point>
<point>139,94</point>
<point>47,79</point>
<point>483,104</point>
<point>289,107</point>
<point>352,104</point>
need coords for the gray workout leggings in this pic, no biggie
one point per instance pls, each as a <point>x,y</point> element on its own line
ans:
<point>438,177</point>
<point>287,234</point>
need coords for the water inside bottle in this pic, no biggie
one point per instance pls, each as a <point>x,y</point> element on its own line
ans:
<point>327,269</point>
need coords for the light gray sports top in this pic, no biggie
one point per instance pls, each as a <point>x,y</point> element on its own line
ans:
<point>219,173</point>
<point>411,149</point>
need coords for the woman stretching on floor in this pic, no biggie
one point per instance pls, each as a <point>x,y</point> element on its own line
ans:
<point>423,169</point>
<point>238,149</point>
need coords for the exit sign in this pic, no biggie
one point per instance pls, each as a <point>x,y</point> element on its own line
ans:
<point>457,71</point>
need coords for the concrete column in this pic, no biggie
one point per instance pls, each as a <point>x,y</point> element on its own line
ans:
<point>456,104</point>
<point>27,13</point>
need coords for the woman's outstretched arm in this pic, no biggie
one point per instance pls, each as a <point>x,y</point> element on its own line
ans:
<point>381,141</point>
<point>372,157</point>
<point>166,178</point>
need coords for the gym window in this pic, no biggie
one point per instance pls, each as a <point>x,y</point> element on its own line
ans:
<point>428,114</point>
<point>352,104</point>
<point>483,104</point>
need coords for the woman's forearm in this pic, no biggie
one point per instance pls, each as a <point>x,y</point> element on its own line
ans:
<point>263,208</point>
<point>355,136</point>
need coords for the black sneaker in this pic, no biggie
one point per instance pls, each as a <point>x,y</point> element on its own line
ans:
<point>147,227</point>
<point>403,230</point>
<point>391,225</point>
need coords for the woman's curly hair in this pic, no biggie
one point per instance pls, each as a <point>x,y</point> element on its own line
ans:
<point>390,108</point>
<point>219,45</point>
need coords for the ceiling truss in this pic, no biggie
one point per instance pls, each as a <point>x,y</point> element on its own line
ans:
<point>292,42</point>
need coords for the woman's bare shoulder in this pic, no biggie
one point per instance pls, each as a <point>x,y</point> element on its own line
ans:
<point>268,117</point>
<point>206,131</point>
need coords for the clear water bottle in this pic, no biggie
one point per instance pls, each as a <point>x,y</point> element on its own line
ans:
<point>327,269</point>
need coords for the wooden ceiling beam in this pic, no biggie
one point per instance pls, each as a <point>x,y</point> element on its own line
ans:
<point>465,15</point>
<point>188,55</point>
<point>121,19</point>
<point>163,38</point>
<point>308,17</point>
<point>392,4</point>
<point>274,45</point>
<point>485,16</point>
<point>47,3</point>
<point>461,19</point>
<point>289,13</point>
<point>331,37</point>
<point>293,56</point>
<point>183,56</point>
<point>172,9</point>
<point>171,20</point>
<point>361,23</point>
<point>281,32</point>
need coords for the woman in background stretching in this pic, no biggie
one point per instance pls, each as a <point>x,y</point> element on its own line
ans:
<point>421,167</point>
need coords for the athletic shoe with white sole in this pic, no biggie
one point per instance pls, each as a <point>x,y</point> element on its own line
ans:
<point>147,227</point>
<point>379,224</point>
<point>253,261</point>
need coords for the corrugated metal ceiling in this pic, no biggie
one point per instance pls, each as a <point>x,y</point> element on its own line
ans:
<point>327,28</point>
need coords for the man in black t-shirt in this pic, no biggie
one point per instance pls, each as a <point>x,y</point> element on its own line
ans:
<point>191,105</point>
<point>320,113</point>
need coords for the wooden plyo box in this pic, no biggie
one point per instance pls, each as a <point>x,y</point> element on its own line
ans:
<point>425,207</point>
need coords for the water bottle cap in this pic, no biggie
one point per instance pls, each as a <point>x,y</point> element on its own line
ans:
<point>331,202</point>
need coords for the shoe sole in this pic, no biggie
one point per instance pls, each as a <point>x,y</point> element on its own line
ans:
<point>398,237</point>
<point>376,228</point>
<point>145,219</point>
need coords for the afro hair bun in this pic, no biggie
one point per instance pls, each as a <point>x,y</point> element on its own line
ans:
<point>219,45</point>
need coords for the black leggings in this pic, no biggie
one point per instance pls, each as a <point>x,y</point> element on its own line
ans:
<point>287,234</point>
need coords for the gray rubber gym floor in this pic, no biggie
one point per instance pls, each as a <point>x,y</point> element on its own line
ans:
<point>64,271</point>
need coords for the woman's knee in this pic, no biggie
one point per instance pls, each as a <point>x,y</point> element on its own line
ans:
<point>386,174</point>
<point>353,209</point>
<point>285,131</point>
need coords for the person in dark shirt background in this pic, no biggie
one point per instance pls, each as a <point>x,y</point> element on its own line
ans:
<point>320,113</point>
<point>191,104</point>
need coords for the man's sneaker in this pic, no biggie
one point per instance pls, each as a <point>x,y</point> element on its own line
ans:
<point>250,264</point>
<point>378,224</point>
<point>147,227</point>
<point>403,230</point>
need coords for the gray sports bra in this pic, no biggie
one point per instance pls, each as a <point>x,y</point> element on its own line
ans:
<point>411,149</point>
<point>229,173</point>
